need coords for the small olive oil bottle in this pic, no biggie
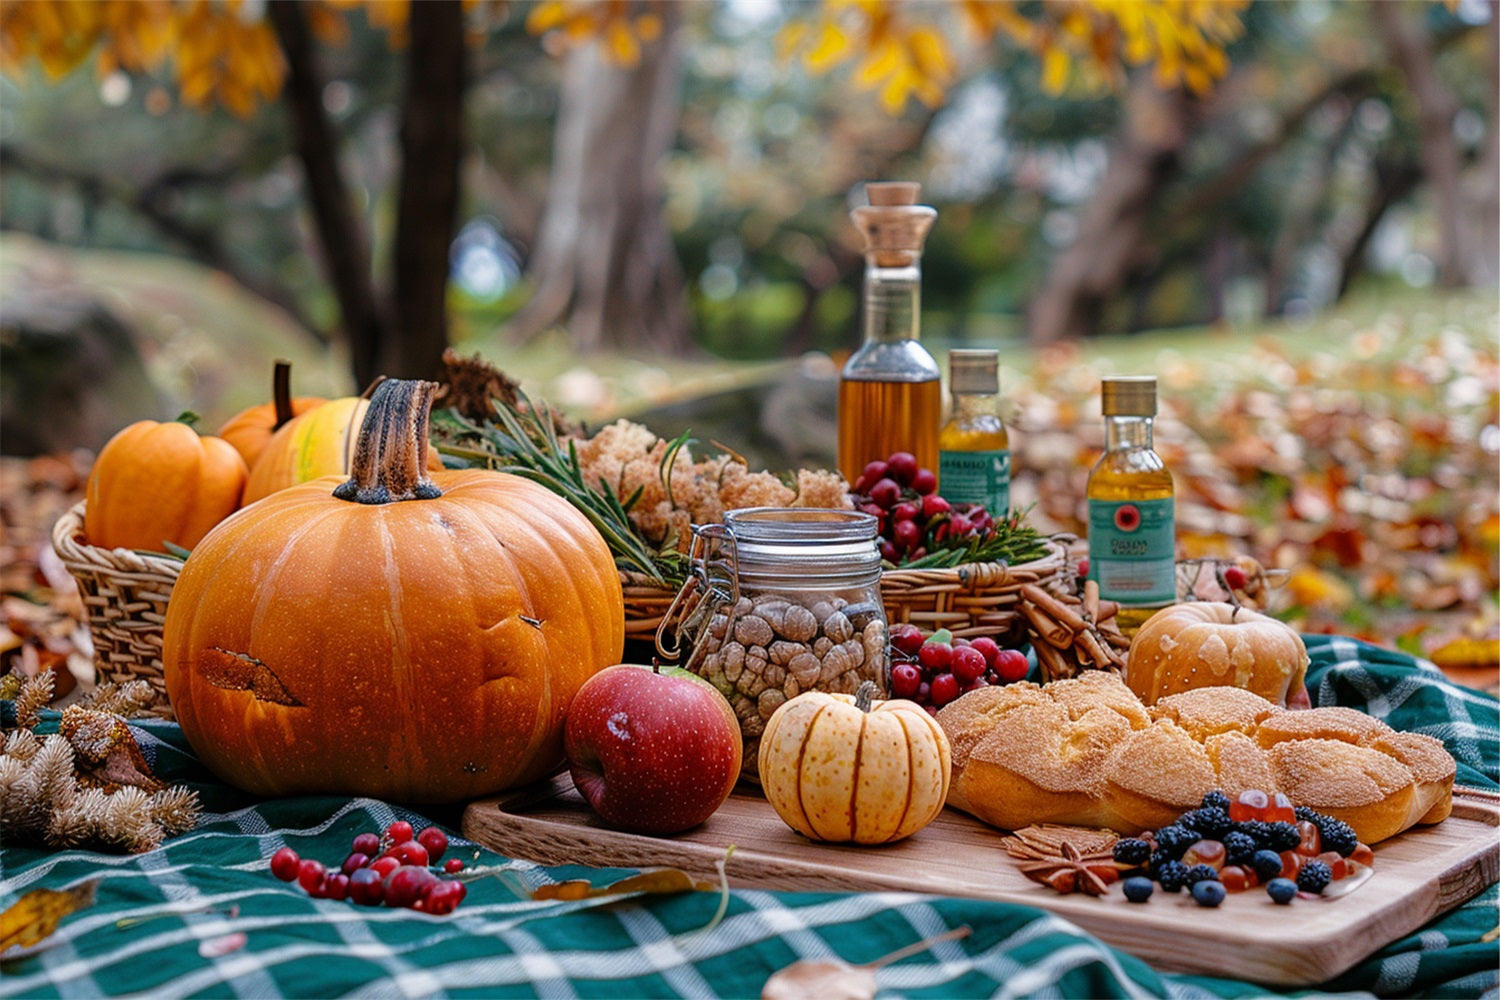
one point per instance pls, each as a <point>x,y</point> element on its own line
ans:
<point>973,445</point>
<point>1132,525</point>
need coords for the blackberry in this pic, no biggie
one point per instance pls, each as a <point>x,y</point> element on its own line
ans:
<point>1172,876</point>
<point>1281,890</point>
<point>1211,822</point>
<point>1335,834</point>
<point>1216,800</point>
<point>1200,873</point>
<point>1239,848</point>
<point>1137,889</point>
<point>1132,851</point>
<point>1279,836</point>
<point>1173,840</point>
<point>1267,864</point>
<point>1313,876</point>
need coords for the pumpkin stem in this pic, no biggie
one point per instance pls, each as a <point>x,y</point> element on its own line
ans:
<point>863,695</point>
<point>281,392</point>
<point>390,457</point>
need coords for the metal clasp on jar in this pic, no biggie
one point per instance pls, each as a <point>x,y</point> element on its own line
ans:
<point>712,582</point>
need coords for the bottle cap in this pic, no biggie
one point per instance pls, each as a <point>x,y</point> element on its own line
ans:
<point>893,224</point>
<point>974,371</point>
<point>1129,396</point>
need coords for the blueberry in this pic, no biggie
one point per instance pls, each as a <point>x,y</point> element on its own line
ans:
<point>1281,890</point>
<point>1209,892</point>
<point>1267,865</point>
<point>1138,888</point>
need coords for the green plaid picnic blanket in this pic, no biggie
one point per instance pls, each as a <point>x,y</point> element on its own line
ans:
<point>154,911</point>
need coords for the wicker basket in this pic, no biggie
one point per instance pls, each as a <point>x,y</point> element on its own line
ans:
<point>125,594</point>
<point>970,600</point>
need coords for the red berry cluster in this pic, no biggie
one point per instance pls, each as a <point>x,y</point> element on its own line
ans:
<point>932,670</point>
<point>913,518</point>
<point>393,870</point>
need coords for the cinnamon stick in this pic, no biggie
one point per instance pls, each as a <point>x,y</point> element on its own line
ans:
<point>1055,609</point>
<point>1055,634</point>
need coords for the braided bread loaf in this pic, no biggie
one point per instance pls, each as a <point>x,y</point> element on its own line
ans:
<point>1086,751</point>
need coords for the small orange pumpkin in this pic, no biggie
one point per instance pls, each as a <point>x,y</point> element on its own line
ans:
<point>411,638</point>
<point>158,483</point>
<point>845,769</point>
<point>250,429</point>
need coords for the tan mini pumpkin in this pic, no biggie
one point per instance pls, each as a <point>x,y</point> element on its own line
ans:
<point>1208,644</point>
<point>845,769</point>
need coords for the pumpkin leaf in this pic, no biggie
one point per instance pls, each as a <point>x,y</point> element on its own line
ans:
<point>35,916</point>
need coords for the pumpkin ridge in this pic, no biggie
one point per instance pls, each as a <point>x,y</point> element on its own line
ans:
<point>807,731</point>
<point>907,741</point>
<point>859,760</point>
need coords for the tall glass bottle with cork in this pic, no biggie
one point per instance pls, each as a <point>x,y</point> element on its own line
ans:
<point>890,391</point>
<point>973,445</point>
<point>1132,526</point>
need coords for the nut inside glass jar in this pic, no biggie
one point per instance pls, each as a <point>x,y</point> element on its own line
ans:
<point>794,607</point>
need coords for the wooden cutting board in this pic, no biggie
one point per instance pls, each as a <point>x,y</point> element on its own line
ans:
<point>1417,876</point>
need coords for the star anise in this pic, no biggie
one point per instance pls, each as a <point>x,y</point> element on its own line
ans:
<point>1048,856</point>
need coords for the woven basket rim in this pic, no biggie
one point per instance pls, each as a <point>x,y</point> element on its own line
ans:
<point>81,557</point>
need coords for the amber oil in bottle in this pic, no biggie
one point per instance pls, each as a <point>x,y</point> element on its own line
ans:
<point>890,390</point>
<point>1132,526</point>
<point>973,445</point>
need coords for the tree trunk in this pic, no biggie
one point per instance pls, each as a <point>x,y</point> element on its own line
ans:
<point>345,252</point>
<point>606,268</point>
<point>1411,51</point>
<point>428,195</point>
<point>1112,232</point>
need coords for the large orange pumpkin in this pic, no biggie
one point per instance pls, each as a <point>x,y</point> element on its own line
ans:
<point>250,429</point>
<point>158,483</point>
<point>411,638</point>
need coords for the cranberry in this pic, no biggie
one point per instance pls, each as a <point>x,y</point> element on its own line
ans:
<point>1083,568</point>
<point>1235,577</point>
<point>902,467</point>
<point>889,553</point>
<point>399,832</point>
<point>1011,665</point>
<point>924,482</point>
<point>310,874</point>
<point>367,844</point>
<point>968,664</point>
<point>408,852</point>
<point>336,886</point>
<point>366,887</point>
<point>944,689</point>
<point>441,897</point>
<point>873,473</point>
<point>353,862</point>
<point>907,638</point>
<point>453,865</point>
<point>933,505</point>
<point>987,647</point>
<point>935,656</point>
<point>885,493</point>
<point>906,678</point>
<point>436,842</point>
<point>906,510</point>
<point>284,864</point>
<point>906,534</point>
<point>406,884</point>
<point>384,866</point>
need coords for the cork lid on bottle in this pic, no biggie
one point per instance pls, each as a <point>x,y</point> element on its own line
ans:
<point>893,224</point>
<point>1129,396</point>
<point>974,371</point>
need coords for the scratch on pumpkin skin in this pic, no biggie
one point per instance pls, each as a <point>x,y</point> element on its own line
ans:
<point>535,623</point>
<point>234,671</point>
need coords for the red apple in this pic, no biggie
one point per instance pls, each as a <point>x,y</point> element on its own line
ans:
<point>652,751</point>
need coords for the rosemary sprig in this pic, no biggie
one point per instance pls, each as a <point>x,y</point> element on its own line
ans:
<point>1011,541</point>
<point>523,441</point>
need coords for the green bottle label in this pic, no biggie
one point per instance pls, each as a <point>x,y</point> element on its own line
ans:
<point>1132,551</point>
<point>981,477</point>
